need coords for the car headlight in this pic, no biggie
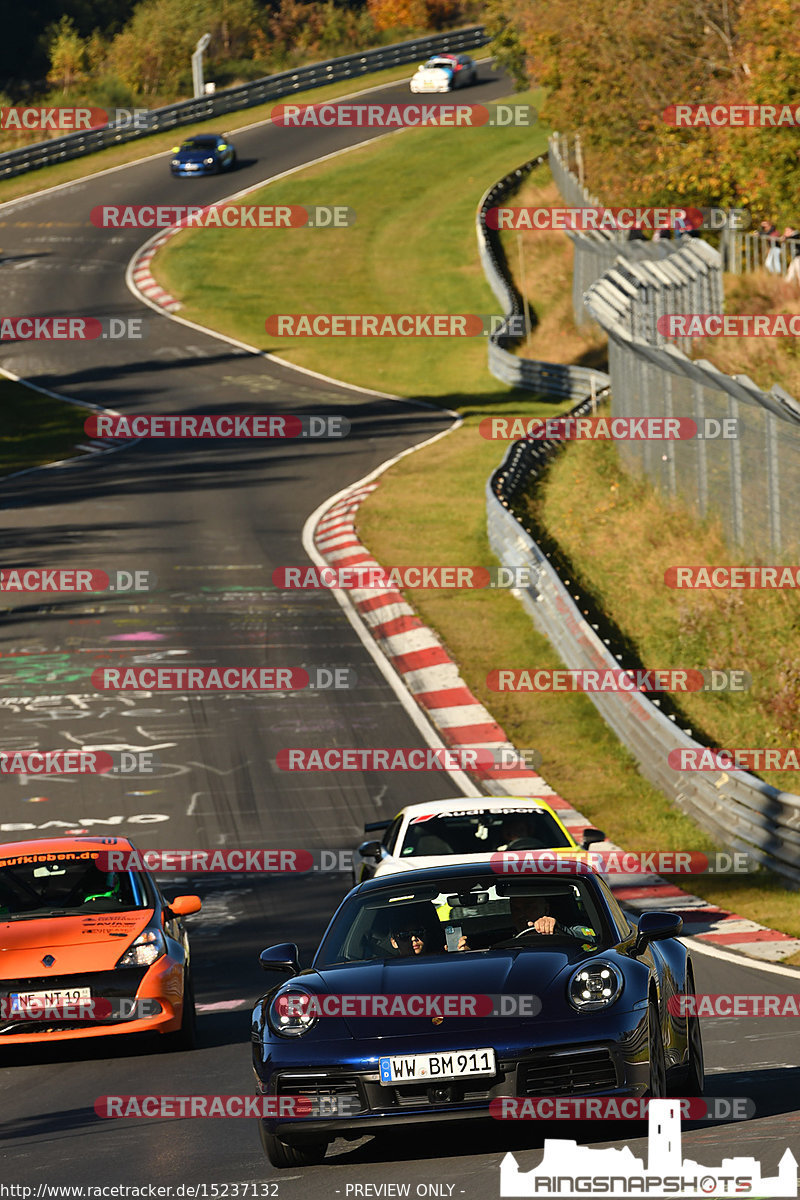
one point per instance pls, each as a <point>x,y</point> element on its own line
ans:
<point>208,162</point>
<point>176,162</point>
<point>290,1013</point>
<point>594,986</point>
<point>143,952</point>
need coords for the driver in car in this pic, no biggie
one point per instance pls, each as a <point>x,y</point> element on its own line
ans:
<point>529,915</point>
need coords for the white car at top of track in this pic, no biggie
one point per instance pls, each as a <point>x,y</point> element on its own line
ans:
<point>444,73</point>
<point>463,830</point>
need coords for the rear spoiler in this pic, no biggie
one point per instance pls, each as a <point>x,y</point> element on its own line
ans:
<point>372,825</point>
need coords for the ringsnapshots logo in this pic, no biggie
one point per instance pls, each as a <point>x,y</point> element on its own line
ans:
<point>567,1169</point>
<point>225,427</point>
<point>618,679</point>
<point>70,329</point>
<point>222,216</point>
<point>617,429</point>
<point>408,115</point>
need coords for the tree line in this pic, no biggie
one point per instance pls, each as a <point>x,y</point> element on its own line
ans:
<point>611,68</point>
<point>119,53</point>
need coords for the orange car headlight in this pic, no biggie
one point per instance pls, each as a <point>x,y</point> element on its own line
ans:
<point>145,950</point>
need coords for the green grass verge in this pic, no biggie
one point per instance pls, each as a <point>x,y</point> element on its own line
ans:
<point>413,249</point>
<point>37,429</point>
<point>113,156</point>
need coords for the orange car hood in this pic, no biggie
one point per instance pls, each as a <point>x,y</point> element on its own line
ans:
<point>91,943</point>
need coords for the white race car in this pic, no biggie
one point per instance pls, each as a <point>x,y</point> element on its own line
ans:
<point>463,830</point>
<point>444,73</point>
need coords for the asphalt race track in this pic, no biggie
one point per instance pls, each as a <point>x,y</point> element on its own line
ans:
<point>211,523</point>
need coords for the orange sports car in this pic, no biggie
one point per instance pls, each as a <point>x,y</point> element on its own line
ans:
<point>88,952</point>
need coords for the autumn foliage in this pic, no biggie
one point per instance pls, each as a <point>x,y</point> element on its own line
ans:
<point>611,67</point>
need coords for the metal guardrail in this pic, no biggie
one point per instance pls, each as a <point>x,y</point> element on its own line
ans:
<point>556,380</point>
<point>738,810</point>
<point>247,95</point>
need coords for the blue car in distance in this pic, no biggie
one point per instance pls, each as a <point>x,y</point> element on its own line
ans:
<point>204,154</point>
<point>607,1018</point>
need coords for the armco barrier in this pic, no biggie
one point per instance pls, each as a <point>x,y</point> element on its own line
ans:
<point>737,809</point>
<point>247,95</point>
<point>555,380</point>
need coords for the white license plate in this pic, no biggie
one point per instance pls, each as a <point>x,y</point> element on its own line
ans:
<point>57,997</point>
<point>452,1064</point>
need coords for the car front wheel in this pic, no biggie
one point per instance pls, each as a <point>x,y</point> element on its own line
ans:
<point>283,1154</point>
<point>658,1063</point>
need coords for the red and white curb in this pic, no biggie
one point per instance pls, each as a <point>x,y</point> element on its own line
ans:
<point>143,279</point>
<point>434,681</point>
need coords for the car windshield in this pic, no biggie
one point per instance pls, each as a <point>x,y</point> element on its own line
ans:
<point>405,920</point>
<point>199,143</point>
<point>470,832</point>
<point>36,885</point>
<point>444,63</point>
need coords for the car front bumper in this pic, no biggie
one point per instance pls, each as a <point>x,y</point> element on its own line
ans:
<point>348,1098</point>
<point>161,984</point>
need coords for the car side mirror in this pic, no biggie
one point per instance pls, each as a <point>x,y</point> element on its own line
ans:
<point>284,957</point>
<point>590,836</point>
<point>654,927</point>
<point>372,850</point>
<point>184,906</point>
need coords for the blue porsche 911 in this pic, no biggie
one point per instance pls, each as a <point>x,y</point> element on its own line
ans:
<point>598,1018</point>
<point>204,154</point>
